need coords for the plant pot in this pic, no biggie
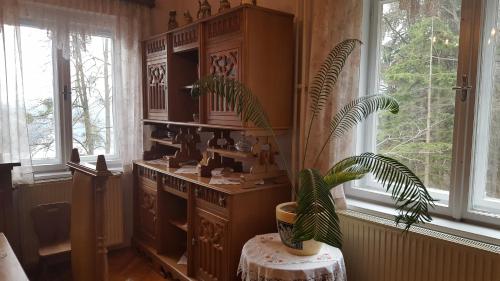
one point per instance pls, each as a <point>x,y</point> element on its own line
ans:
<point>285,219</point>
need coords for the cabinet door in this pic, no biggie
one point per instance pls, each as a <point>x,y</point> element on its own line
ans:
<point>156,78</point>
<point>224,59</point>
<point>147,213</point>
<point>156,91</point>
<point>210,246</point>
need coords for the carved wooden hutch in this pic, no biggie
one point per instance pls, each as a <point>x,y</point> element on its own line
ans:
<point>180,214</point>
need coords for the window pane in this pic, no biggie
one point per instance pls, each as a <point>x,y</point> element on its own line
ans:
<point>486,185</point>
<point>91,82</point>
<point>417,64</point>
<point>38,81</point>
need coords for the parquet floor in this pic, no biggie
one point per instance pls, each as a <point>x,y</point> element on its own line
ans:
<point>124,265</point>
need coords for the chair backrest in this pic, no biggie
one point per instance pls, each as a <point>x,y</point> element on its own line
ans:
<point>88,250</point>
<point>52,222</point>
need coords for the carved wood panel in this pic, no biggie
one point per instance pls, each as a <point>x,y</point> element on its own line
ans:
<point>211,246</point>
<point>186,38</point>
<point>156,47</point>
<point>157,88</point>
<point>226,63</point>
<point>223,25</point>
<point>147,212</point>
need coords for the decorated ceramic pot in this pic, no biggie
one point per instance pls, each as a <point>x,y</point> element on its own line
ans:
<point>285,219</point>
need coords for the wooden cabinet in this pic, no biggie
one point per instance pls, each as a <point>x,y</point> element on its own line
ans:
<point>164,96</point>
<point>252,44</point>
<point>207,224</point>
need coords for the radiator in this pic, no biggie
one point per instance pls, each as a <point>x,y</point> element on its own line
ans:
<point>30,196</point>
<point>375,250</point>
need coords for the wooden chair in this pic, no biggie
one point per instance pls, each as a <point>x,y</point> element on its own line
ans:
<point>51,223</point>
<point>89,259</point>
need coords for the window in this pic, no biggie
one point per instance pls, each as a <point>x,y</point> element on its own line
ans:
<point>69,103</point>
<point>417,52</point>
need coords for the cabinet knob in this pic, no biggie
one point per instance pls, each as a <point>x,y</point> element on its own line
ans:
<point>196,192</point>
<point>193,241</point>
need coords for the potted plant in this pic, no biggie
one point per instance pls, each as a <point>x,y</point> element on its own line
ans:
<point>312,219</point>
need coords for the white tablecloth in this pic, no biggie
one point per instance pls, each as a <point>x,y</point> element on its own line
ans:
<point>264,258</point>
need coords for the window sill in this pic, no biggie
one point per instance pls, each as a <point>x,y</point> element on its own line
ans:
<point>474,232</point>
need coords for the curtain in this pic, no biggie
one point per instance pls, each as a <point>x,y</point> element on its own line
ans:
<point>14,145</point>
<point>326,23</point>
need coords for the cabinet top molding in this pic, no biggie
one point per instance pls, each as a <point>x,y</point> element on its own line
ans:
<point>225,12</point>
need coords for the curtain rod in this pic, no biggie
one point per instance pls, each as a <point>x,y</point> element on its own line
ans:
<point>149,3</point>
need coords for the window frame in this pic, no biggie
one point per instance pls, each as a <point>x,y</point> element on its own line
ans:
<point>63,116</point>
<point>459,207</point>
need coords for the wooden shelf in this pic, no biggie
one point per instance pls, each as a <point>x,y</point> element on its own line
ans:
<point>175,192</point>
<point>180,224</point>
<point>166,142</point>
<point>250,130</point>
<point>170,261</point>
<point>232,153</point>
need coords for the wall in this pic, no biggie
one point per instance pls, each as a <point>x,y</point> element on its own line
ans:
<point>159,15</point>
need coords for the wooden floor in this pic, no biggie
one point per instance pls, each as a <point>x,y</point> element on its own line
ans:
<point>124,265</point>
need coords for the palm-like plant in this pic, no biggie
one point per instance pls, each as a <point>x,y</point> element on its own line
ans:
<point>316,215</point>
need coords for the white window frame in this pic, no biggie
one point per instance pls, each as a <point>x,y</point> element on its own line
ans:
<point>475,16</point>
<point>44,169</point>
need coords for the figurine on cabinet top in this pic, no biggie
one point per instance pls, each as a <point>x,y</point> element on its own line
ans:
<point>172,22</point>
<point>224,5</point>
<point>205,10</point>
<point>187,17</point>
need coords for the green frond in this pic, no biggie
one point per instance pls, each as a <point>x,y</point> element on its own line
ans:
<point>346,172</point>
<point>234,92</point>
<point>327,76</point>
<point>358,110</point>
<point>409,193</point>
<point>354,113</point>
<point>316,216</point>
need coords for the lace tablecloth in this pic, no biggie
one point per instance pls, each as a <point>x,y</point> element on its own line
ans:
<point>264,258</point>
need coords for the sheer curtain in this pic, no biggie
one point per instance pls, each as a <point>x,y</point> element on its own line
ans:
<point>326,23</point>
<point>14,145</point>
<point>128,24</point>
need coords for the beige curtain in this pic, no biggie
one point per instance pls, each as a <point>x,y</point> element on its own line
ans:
<point>326,23</point>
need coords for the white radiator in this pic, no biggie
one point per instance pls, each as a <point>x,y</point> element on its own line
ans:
<point>375,250</point>
<point>30,196</point>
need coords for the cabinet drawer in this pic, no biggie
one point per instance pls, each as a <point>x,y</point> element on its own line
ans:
<point>175,186</point>
<point>147,177</point>
<point>212,200</point>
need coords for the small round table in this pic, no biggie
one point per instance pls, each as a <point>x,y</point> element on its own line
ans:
<point>264,258</point>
